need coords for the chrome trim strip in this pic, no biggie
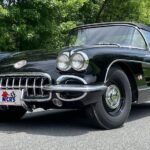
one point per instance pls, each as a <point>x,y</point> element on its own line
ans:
<point>16,87</point>
<point>64,77</point>
<point>74,88</point>
<point>34,86</point>
<point>13,83</point>
<point>42,81</point>
<point>26,86</point>
<point>148,56</point>
<point>26,74</point>
<point>74,50</point>
<point>7,80</point>
<point>140,30</point>
<point>121,60</point>
<point>20,83</point>
<point>143,89</point>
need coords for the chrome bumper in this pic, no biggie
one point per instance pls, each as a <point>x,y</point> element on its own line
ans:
<point>75,88</point>
<point>63,86</point>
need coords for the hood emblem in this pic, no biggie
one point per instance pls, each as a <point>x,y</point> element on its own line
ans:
<point>20,64</point>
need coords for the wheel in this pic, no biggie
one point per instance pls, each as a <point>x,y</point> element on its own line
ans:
<point>112,108</point>
<point>11,113</point>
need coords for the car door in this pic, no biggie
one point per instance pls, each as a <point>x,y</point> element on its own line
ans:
<point>144,90</point>
<point>146,65</point>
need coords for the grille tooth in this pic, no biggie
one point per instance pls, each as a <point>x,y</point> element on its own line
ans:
<point>1,80</point>
<point>31,81</point>
<point>4,82</point>
<point>20,83</point>
<point>7,80</point>
<point>42,81</point>
<point>10,80</point>
<point>26,86</point>
<point>23,82</point>
<point>13,83</point>
<point>34,86</point>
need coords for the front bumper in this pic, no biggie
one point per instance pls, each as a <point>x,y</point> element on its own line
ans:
<point>70,88</point>
<point>41,88</point>
<point>75,88</point>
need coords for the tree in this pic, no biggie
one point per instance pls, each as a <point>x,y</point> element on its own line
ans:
<point>37,24</point>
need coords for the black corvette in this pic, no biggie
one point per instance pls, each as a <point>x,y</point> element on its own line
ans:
<point>104,69</point>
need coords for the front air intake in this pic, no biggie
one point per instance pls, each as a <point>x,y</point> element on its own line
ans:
<point>74,80</point>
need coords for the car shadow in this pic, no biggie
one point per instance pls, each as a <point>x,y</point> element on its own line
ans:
<point>50,122</point>
<point>62,122</point>
<point>139,111</point>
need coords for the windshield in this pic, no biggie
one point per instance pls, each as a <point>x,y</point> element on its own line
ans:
<point>116,35</point>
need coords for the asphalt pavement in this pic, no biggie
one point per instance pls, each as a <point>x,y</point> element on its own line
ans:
<point>71,130</point>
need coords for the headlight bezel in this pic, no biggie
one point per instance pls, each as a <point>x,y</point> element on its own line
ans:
<point>65,54</point>
<point>85,60</point>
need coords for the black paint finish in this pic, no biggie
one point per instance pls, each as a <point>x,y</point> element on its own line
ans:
<point>37,61</point>
<point>133,61</point>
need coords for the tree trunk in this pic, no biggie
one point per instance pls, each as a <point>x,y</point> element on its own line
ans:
<point>101,9</point>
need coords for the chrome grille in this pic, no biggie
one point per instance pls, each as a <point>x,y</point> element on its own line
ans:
<point>31,84</point>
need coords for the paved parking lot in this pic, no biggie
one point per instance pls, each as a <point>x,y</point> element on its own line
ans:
<point>70,130</point>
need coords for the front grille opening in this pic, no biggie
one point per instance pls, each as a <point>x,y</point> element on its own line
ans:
<point>46,81</point>
<point>32,85</point>
<point>31,81</point>
<point>38,81</point>
<point>46,93</point>
<point>23,81</point>
<point>16,82</point>
<point>71,95</point>
<point>38,91</point>
<point>3,82</point>
<point>30,91</point>
<point>10,81</point>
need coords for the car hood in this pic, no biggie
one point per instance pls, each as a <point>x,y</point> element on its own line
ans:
<point>37,61</point>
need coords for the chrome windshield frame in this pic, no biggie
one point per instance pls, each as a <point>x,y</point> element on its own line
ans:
<point>106,25</point>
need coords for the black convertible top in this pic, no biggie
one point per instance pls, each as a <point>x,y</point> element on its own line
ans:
<point>139,25</point>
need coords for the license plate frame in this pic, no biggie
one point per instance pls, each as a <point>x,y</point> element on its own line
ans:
<point>10,97</point>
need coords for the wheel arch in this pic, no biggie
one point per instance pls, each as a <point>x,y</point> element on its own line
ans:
<point>130,76</point>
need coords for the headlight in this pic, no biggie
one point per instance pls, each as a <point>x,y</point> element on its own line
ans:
<point>79,61</point>
<point>63,62</point>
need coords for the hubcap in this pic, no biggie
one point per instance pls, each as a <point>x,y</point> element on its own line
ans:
<point>113,97</point>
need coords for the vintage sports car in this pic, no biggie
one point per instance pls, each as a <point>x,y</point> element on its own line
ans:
<point>104,69</point>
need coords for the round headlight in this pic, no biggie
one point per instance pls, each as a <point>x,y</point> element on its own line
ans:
<point>63,62</point>
<point>79,61</point>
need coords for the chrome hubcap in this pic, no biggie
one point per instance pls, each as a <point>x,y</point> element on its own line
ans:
<point>113,96</point>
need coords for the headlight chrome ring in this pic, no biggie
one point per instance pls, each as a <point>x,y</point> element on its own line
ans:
<point>63,62</point>
<point>79,61</point>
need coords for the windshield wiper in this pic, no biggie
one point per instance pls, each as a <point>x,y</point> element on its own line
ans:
<point>107,43</point>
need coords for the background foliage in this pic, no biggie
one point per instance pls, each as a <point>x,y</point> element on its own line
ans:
<point>36,24</point>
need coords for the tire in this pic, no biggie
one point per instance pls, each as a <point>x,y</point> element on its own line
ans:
<point>11,113</point>
<point>112,109</point>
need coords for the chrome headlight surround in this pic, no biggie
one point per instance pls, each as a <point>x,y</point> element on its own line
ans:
<point>63,62</point>
<point>79,61</point>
